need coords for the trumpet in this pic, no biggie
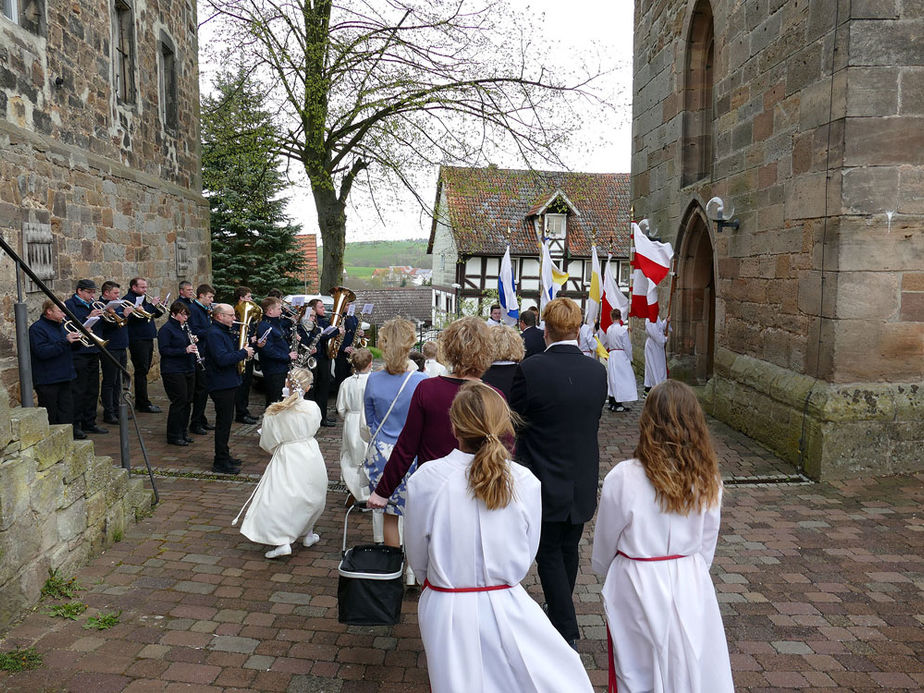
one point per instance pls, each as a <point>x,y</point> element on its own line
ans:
<point>73,329</point>
<point>109,314</point>
<point>138,310</point>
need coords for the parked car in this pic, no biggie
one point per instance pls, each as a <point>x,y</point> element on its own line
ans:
<point>294,299</point>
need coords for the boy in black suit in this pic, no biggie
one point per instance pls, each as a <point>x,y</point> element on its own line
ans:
<point>533,341</point>
<point>559,393</point>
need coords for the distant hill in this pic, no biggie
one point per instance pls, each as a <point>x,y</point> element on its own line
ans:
<point>385,253</point>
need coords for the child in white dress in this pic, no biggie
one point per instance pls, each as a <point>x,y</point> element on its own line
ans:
<point>293,490</point>
<point>621,385</point>
<point>656,532</point>
<point>355,431</point>
<point>472,525</point>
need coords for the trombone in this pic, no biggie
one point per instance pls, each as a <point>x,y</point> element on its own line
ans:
<point>73,329</point>
<point>109,314</point>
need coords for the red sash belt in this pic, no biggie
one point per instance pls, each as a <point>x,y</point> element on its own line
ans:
<point>487,588</point>
<point>611,688</point>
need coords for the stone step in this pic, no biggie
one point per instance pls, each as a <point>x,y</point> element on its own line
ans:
<point>27,427</point>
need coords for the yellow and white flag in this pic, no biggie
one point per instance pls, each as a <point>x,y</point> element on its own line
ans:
<point>552,278</point>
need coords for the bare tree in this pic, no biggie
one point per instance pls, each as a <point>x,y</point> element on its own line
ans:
<point>375,90</point>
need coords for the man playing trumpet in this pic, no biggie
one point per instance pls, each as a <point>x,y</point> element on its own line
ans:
<point>86,360</point>
<point>141,334</point>
<point>51,348</point>
<point>114,330</point>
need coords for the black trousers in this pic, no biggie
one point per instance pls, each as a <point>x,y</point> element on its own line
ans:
<point>86,389</point>
<point>179,388</point>
<point>57,398</point>
<point>200,398</point>
<point>142,354</point>
<point>243,392</point>
<point>342,370</point>
<point>272,386</point>
<point>322,385</point>
<point>557,561</point>
<point>111,389</point>
<point>224,415</point>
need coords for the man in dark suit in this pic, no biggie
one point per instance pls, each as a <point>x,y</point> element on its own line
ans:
<point>533,341</point>
<point>560,394</point>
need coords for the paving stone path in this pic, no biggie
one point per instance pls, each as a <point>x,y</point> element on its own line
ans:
<point>821,587</point>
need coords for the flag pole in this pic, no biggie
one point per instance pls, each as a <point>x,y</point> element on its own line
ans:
<point>631,263</point>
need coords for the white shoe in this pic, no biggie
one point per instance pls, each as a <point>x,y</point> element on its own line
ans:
<point>409,578</point>
<point>284,550</point>
<point>310,540</point>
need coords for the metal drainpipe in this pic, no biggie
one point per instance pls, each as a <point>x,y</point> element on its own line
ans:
<point>22,344</point>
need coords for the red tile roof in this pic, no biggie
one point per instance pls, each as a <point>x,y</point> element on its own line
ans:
<point>483,203</point>
<point>308,246</point>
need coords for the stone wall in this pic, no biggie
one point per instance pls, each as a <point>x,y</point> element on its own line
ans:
<point>817,129</point>
<point>91,184</point>
<point>60,504</point>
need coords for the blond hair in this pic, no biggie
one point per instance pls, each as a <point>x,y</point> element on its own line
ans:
<point>562,318</point>
<point>480,418</point>
<point>430,350</point>
<point>396,337</point>
<point>676,451</point>
<point>465,347</point>
<point>360,359</point>
<point>298,378</point>
<point>508,344</point>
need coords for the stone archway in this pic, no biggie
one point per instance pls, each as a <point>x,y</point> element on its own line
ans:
<point>693,312</point>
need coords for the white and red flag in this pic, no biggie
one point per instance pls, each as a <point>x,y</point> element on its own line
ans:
<point>644,297</point>
<point>612,297</point>
<point>651,257</point>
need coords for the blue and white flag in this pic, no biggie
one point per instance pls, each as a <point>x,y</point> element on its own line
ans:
<point>507,291</point>
<point>551,278</point>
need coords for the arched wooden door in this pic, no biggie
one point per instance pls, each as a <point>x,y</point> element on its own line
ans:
<point>693,312</point>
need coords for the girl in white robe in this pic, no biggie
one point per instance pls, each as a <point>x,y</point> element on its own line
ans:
<point>351,409</point>
<point>291,494</point>
<point>654,541</point>
<point>621,384</point>
<point>472,525</point>
<point>655,359</point>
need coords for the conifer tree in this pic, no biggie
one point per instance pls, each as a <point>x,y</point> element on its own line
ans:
<point>253,241</point>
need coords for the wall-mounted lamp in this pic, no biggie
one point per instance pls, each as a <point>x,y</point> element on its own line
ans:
<point>715,210</point>
<point>59,82</point>
<point>648,230</point>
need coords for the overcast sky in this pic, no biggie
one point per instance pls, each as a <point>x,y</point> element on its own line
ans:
<point>592,27</point>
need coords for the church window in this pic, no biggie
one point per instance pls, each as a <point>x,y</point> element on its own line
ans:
<point>698,97</point>
<point>125,51</point>
<point>168,86</point>
<point>29,14</point>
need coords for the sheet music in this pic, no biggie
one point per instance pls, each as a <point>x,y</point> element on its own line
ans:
<point>351,310</point>
<point>367,309</point>
<point>329,329</point>
<point>139,300</point>
<point>265,334</point>
<point>113,304</point>
<point>91,322</point>
<point>298,300</point>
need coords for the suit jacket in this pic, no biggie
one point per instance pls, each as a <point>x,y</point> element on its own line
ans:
<point>533,341</point>
<point>560,395</point>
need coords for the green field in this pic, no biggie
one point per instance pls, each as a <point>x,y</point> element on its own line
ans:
<point>372,254</point>
<point>359,272</point>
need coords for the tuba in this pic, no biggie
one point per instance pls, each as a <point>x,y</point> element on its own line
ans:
<point>342,298</point>
<point>248,313</point>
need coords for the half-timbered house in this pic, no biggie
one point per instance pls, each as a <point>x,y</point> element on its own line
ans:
<point>479,211</point>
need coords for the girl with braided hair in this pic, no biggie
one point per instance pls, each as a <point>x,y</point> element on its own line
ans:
<point>472,524</point>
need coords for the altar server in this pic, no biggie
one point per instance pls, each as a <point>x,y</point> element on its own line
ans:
<point>351,409</point>
<point>655,358</point>
<point>620,378</point>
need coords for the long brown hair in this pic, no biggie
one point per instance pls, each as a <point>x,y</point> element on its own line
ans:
<point>675,448</point>
<point>396,337</point>
<point>481,418</point>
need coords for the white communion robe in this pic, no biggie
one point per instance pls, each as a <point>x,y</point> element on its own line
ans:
<point>655,360</point>
<point>480,642</point>
<point>434,368</point>
<point>620,377</point>
<point>663,615</point>
<point>355,434</point>
<point>586,341</point>
<point>293,490</point>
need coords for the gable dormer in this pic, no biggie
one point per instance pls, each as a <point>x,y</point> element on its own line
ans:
<point>550,220</point>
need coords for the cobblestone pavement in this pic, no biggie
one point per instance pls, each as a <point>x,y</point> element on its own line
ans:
<point>821,588</point>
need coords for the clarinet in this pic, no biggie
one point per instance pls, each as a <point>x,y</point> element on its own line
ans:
<point>200,362</point>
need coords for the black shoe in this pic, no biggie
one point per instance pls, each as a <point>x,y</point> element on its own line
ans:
<point>246,419</point>
<point>94,429</point>
<point>225,469</point>
<point>78,434</point>
<point>150,409</point>
<point>207,426</point>
<point>177,441</point>
<point>199,431</point>
<point>188,439</point>
<point>234,462</point>
<point>328,424</point>
<point>111,420</point>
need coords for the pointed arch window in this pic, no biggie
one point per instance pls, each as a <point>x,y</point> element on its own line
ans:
<point>698,97</point>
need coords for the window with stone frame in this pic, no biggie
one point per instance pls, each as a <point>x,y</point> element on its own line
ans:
<point>168,83</point>
<point>29,14</point>
<point>698,110</point>
<point>124,44</point>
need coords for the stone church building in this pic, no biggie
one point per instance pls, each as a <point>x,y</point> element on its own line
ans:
<point>99,149</point>
<point>805,323</point>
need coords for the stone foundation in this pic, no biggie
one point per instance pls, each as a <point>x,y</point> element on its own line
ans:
<point>60,504</point>
<point>829,430</point>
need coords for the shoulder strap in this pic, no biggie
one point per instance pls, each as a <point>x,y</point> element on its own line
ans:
<point>392,406</point>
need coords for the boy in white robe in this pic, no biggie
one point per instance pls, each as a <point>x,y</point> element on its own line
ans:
<point>432,367</point>
<point>621,384</point>
<point>351,409</point>
<point>655,358</point>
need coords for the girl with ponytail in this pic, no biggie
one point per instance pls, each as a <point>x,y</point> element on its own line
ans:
<point>472,525</point>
